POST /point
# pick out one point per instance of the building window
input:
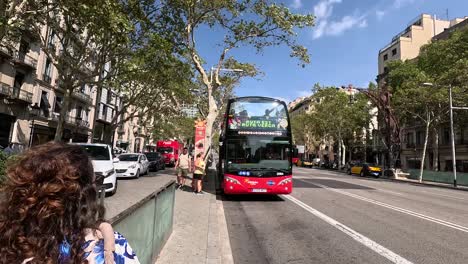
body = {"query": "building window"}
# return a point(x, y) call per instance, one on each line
point(47, 71)
point(104, 111)
point(410, 140)
point(394, 51)
point(420, 137)
point(23, 49)
point(385, 57)
point(83, 89)
point(79, 113)
point(58, 103)
point(446, 136)
point(51, 40)
point(44, 104)
point(109, 97)
point(19, 80)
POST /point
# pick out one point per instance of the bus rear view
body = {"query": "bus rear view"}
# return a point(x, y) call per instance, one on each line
point(255, 152)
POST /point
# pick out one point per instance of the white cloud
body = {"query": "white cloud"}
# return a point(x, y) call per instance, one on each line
point(324, 10)
point(379, 14)
point(401, 3)
point(296, 4)
point(347, 22)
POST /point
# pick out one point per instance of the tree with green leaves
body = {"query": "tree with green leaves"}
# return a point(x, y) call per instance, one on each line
point(16, 16)
point(340, 117)
point(80, 39)
point(443, 63)
point(249, 23)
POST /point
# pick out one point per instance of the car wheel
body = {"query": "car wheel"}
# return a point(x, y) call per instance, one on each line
point(164, 166)
point(137, 175)
point(362, 174)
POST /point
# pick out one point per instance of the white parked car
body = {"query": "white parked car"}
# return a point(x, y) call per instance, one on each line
point(131, 165)
point(101, 157)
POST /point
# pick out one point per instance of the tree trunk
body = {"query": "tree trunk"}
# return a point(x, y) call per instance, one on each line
point(210, 120)
point(97, 107)
point(343, 159)
point(339, 151)
point(350, 157)
point(426, 139)
point(436, 149)
point(63, 115)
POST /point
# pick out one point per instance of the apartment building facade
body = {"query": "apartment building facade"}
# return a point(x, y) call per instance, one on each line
point(406, 46)
point(31, 99)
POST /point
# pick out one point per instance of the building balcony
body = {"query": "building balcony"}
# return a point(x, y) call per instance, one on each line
point(104, 118)
point(83, 97)
point(5, 90)
point(21, 95)
point(24, 60)
point(15, 94)
point(77, 122)
point(4, 52)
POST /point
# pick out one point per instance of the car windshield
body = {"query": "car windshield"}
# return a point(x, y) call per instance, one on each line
point(152, 155)
point(258, 153)
point(165, 150)
point(97, 152)
point(128, 157)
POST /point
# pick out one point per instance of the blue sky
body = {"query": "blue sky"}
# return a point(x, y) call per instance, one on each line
point(344, 44)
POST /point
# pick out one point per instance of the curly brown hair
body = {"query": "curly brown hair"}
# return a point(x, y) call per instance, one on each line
point(50, 197)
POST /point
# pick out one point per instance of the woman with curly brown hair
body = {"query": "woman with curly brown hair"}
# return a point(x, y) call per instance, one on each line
point(50, 212)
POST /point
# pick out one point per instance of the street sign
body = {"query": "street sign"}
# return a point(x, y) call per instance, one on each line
point(300, 149)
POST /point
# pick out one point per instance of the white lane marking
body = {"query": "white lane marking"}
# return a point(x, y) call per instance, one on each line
point(363, 179)
point(379, 249)
point(398, 209)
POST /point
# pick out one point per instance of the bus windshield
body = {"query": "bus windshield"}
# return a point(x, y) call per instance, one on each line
point(258, 153)
point(255, 114)
point(165, 150)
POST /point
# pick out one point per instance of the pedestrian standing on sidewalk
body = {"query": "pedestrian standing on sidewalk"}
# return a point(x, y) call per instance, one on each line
point(50, 212)
point(183, 164)
point(198, 173)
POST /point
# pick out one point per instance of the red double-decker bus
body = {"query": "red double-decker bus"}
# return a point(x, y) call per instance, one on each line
point(256, 147)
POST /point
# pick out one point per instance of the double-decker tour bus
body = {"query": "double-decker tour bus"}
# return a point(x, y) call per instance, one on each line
point(255, 147)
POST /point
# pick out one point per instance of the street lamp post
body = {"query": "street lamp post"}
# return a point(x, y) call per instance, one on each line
point(452, 134)
point(33, 112)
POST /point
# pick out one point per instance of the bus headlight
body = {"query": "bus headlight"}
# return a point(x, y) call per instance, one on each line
point(232, 180)
point(285, 181)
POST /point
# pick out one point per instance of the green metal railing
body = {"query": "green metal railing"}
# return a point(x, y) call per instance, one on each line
point(439, 176)
point(148, 224)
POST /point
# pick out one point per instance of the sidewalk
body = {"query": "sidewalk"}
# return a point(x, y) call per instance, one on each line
point(200, 232)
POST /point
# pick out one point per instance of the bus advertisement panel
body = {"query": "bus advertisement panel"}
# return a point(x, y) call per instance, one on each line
point(256, 147)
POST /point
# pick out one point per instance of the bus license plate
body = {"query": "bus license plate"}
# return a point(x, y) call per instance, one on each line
point(259, 190)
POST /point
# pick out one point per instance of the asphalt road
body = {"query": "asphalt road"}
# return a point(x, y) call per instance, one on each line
point(335, 218)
